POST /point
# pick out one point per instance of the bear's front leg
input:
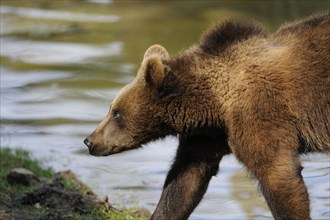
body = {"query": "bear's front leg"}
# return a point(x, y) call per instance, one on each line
point(197, 160)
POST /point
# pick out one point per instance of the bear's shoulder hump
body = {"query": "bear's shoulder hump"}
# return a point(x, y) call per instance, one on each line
point(224, 34)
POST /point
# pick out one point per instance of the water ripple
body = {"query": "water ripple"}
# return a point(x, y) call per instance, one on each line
point(44, 52)
point(57, 15)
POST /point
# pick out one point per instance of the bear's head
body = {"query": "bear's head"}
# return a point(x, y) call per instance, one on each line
point(136, 115)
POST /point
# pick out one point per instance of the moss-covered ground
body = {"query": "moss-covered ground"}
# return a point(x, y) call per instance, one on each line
point(10, 194)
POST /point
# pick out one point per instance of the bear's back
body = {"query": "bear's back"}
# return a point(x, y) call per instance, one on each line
point(307, 25)
point(289, 69)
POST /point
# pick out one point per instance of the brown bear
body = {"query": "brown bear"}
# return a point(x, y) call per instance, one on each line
point(264, 98)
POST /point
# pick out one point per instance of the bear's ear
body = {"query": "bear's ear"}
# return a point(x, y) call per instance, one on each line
point(156, 51)
point(155, 69)
point(154, 72)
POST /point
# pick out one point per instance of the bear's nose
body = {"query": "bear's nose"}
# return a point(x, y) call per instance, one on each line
point(88, 143)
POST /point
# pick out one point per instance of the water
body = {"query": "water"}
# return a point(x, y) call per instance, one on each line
point(62, 62)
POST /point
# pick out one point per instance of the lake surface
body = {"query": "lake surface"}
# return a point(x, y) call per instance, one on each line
point(63, 62)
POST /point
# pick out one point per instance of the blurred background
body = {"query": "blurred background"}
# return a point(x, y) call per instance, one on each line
point(62, 63)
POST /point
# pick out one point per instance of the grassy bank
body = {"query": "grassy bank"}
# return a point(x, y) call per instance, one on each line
point(18, 201)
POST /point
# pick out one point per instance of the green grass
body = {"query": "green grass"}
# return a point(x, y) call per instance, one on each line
point(19, 158)
point(10, 210)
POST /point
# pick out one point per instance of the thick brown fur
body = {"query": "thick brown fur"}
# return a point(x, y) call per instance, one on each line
point(264, 98)
point(228, 33)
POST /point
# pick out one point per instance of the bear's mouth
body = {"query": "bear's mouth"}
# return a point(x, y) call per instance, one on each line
point(106, 151)
point(95, 151)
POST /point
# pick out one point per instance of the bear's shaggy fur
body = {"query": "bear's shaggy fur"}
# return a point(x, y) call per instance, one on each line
point(264, 98)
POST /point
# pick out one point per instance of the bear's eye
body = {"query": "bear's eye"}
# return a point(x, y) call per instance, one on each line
point(116, 114)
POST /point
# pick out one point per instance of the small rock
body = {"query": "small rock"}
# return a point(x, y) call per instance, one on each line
point(22, 176)
point(37, 205)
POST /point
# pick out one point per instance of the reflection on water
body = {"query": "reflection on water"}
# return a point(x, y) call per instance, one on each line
point(57, 15)
point(62, 62)
point(54, 52)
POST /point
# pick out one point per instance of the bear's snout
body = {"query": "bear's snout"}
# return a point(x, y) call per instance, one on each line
point(92, 149)
point(95, 149)
point(88, 143)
